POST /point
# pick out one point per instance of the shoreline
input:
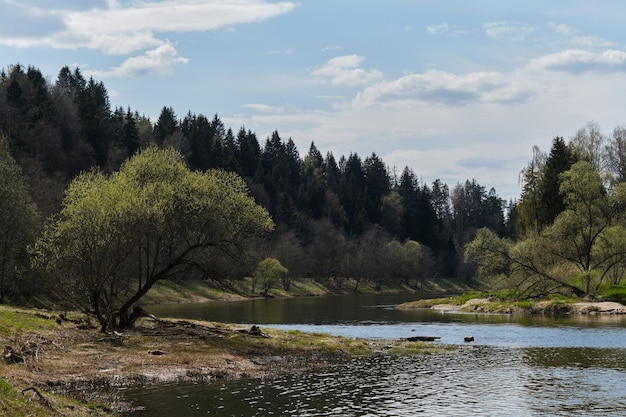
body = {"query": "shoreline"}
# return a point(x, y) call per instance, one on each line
point(79, 371)
point(496, 306)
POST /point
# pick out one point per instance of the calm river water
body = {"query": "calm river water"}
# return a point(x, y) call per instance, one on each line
point(531, 366)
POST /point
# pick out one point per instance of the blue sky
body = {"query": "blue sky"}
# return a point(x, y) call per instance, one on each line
point(453, 89)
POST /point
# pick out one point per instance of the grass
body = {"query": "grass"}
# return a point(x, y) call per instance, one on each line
point(615, 293)
point(14, 321)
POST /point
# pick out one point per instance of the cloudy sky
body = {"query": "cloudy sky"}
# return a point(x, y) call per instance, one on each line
point(453, 89)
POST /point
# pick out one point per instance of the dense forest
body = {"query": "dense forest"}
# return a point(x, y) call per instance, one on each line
point(335, 216)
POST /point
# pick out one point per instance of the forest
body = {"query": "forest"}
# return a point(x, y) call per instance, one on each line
point(334, 217)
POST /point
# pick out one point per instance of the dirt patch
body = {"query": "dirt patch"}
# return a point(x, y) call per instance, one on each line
point(472, 304)
point(603, 307)
point(542, 307)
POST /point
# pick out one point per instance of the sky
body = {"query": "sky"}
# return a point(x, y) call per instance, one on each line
point(454, 90)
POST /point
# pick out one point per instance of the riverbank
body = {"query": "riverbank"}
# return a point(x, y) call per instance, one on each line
point(60, 365)
point(503, 306)
point(207, 290)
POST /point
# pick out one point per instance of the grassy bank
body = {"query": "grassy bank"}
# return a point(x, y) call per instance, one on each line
point(69, 368)
point(202, 291)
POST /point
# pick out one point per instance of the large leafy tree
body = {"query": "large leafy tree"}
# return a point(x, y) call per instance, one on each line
point(118, 234)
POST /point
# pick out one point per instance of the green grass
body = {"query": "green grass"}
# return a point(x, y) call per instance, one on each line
point(13, 321)
point(615, 293)
point(468, 295)
point(14, 403)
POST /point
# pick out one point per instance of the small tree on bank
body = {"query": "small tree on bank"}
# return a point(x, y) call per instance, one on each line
point(154, 219)
point(268, 272)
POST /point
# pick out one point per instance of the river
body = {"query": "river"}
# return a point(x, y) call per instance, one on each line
point(517, 366)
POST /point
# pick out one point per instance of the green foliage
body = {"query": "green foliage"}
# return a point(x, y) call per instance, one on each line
point(267, 272)
point(489, 253)
point(118, 234)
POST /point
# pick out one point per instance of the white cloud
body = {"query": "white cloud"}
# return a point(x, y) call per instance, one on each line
point(437, 29)
point(443, 88)
point(517, 32)
point(561, 29)
point(443, 28)
point(578, 40)
point(343, 70)
point(591, 41)
point(113, 28)
point(577, 61)
point(156, 61)
point(263, 108)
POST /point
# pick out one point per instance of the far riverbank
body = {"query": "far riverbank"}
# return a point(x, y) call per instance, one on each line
point(500, 306)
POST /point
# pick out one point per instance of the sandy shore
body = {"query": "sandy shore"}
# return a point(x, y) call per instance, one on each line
point(489, 305)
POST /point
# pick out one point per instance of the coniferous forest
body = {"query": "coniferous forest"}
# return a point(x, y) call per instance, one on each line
point(335, 216)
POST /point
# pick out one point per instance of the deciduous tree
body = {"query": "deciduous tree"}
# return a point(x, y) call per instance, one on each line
point(118, 234)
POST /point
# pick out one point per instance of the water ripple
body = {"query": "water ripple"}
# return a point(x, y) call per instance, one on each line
point(477, 381)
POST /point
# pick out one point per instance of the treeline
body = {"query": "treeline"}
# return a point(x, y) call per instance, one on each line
point(335, 217)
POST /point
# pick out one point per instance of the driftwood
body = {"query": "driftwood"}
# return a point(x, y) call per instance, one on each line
point(42, 399)
point(11, 356)
point(255, 331)
point(24, 351)
point(421, 338)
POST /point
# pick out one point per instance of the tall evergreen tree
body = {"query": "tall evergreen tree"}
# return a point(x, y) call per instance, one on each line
point(353, 193)
point(559, 160)
point(377, 185)
point(166, 125)
point(312, 189)
point(249, 152)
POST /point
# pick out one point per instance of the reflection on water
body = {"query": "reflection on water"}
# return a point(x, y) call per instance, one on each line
point(474, 381)
point(528, 366)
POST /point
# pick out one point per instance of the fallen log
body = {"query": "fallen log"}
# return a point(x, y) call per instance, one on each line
point(421, 338)
point(42, 399)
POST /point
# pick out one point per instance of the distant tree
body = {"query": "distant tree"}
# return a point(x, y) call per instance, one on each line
point(312, 189)
point(166, 125)
point(529, 206)
point(94, 111)
point(249, 152)
point(377, 185)
point(352, 188)
point(392, 214)
point(268, 272)
point(589, 144)
point(558, 161)
point(616, 154)
point(229, 159)
point(332, 174)
point(117, 235)
point(326, 250)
